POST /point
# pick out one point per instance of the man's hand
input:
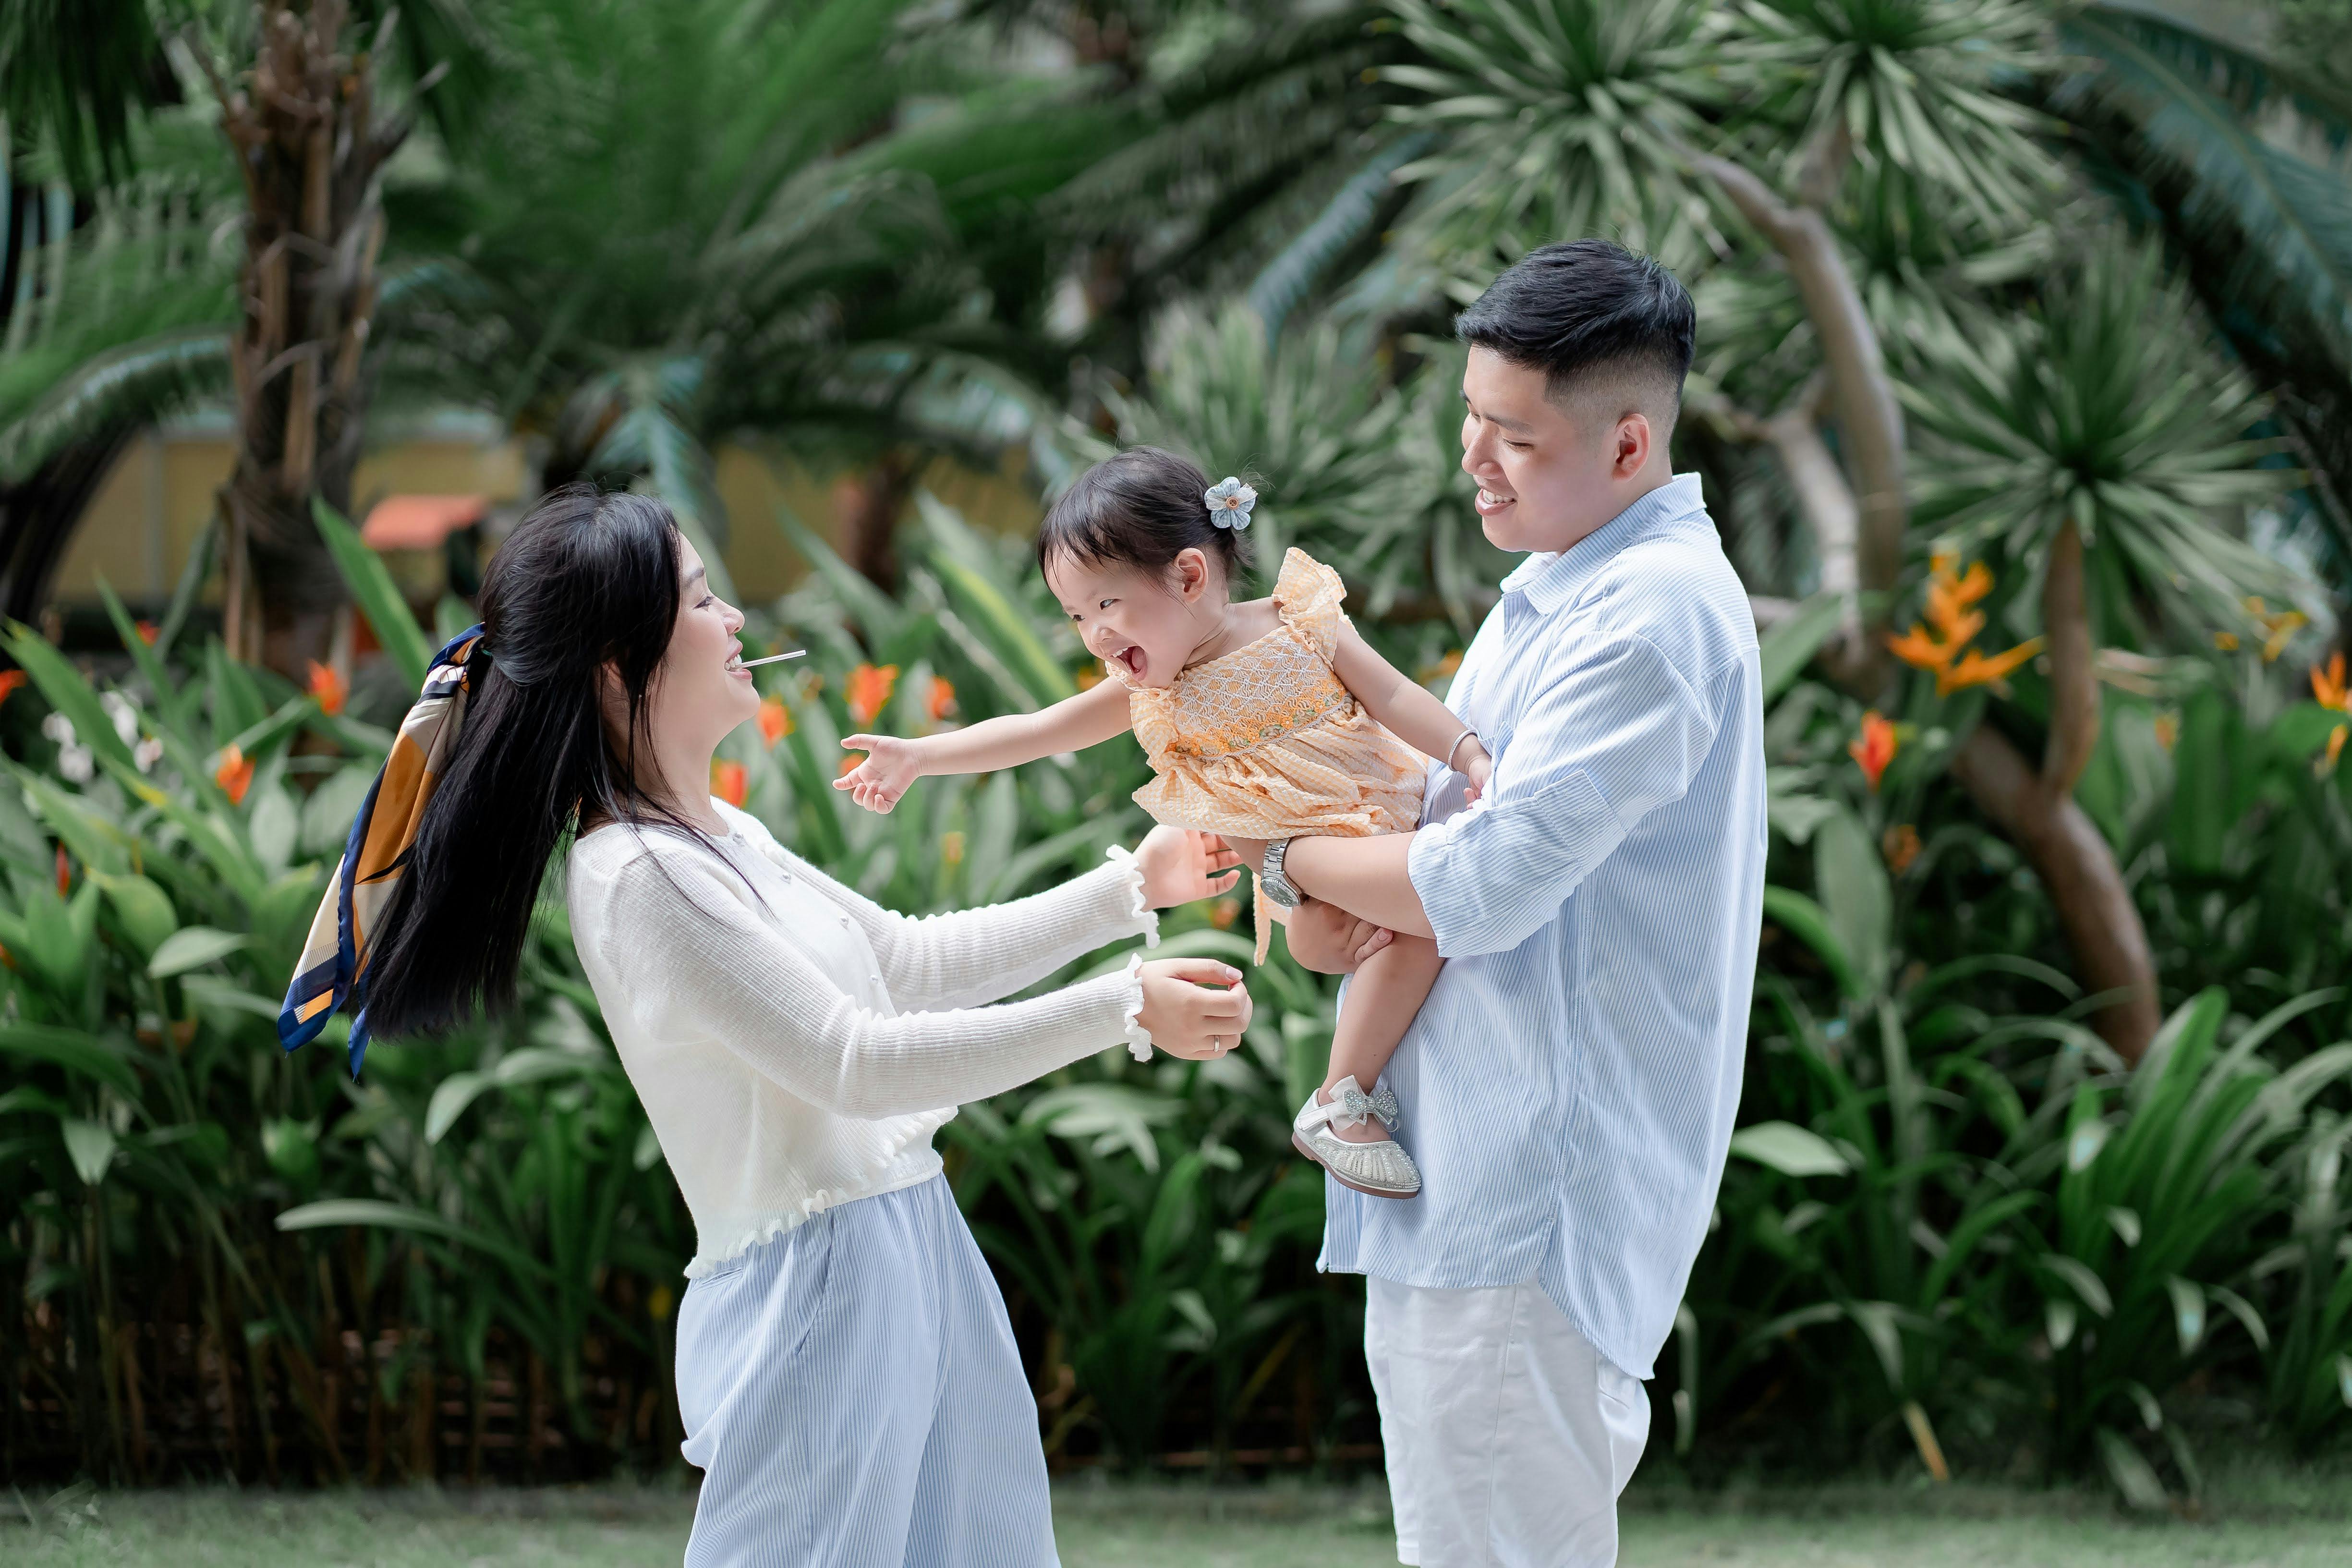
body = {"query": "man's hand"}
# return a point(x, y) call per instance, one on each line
point(1329, 941)
point(890, 765)
point(1180, 866)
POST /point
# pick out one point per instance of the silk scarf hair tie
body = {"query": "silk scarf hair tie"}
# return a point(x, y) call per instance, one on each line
point(334, 956)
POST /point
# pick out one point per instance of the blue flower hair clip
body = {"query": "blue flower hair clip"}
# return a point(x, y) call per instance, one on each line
point(1229, 502)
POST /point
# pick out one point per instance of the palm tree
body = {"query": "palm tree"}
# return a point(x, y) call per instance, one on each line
point(2224, 151)
point(680, 223)
point(308, 139)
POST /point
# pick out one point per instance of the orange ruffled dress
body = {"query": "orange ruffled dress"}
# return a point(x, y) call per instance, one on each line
point(1265, 741)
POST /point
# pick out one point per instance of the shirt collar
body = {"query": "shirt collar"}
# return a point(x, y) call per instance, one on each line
point(1550, 578)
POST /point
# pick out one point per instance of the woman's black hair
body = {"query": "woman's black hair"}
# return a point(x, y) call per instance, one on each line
point(588, 579)
point(1140, 509)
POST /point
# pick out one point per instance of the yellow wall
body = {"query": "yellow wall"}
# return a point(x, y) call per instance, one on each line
point(147, 514)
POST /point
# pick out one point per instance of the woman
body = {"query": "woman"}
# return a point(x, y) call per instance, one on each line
point(846, 1370)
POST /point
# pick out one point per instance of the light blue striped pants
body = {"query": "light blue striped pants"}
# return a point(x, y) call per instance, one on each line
point(853, 1396)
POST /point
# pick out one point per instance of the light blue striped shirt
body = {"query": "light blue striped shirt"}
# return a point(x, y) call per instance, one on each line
point(1569, 1086)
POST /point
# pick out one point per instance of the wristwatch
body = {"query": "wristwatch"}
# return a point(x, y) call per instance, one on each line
point(1276, 887)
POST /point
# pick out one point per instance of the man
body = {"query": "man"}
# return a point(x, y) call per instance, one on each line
point(1569, 1086)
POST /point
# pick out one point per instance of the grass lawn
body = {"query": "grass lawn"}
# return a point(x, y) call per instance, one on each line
point(2266, 1518)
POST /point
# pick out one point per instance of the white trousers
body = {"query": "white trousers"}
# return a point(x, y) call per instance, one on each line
point(1507, 1437)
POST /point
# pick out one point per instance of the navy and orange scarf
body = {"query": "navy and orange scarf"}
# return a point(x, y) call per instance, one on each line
point(333, 965)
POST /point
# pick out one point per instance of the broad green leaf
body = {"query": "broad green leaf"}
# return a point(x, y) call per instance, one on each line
point(2133, 1476)
point(1853, 883)
point(90, 1147)
point(73, 1051)
point(192, 947)
point(399, 1217)
point(1787, 648)
point(65, 690)
point(1791, 1150)
point(378, 596)
point(449, 1101)
point(328, 814)
point(1806, 922)
point(144, 908)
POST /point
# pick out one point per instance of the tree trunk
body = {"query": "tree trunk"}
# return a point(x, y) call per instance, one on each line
point(302, 123)
point(2074, 862)
point(2072, 857)
point(867, 506)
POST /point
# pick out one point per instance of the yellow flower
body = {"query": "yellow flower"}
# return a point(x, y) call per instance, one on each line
point(2226, 641)
point(2278, 627)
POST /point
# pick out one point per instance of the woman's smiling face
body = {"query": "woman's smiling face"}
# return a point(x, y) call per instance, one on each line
point(1146, 623)
point(702, 686)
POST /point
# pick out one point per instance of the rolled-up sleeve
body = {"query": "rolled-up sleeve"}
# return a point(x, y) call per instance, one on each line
point(1613, 737)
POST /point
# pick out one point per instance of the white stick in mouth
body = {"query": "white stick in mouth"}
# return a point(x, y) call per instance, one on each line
point(754, 663)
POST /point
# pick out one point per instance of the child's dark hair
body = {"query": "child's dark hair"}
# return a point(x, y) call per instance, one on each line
point(1140, 509)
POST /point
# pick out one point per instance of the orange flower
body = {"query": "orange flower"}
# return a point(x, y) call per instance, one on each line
point(730, 782)
point(233, 771)
point(942, 701)
point(775, 720)
point(1443, 668)
point(2328, 686)
point(1901, 846)
point(869, 689)
point(1942, 643)
point(9, 680)
point(849, 764)
point(1874, 747)
point(2226, 641)
point(2167, 729)
point(2335, 749)
point(1089, 677)
point(1975, 670)
point(148, 632)
point(64, 872)
point(952, 848)
point(1223, 912)
point(328, 688)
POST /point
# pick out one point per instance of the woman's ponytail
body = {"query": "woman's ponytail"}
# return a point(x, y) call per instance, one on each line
point(586, 583)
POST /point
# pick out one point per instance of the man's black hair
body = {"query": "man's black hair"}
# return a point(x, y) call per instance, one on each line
point(1570, 309)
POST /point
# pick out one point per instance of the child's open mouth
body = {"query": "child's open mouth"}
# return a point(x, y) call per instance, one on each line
point(1132, 657)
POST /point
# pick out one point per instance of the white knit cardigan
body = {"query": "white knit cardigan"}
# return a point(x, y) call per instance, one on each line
point(795, 1044)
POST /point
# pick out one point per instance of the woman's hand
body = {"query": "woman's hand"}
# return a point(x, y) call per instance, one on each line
point(1185, 1015)
point(1180, 866)
point(892, 763)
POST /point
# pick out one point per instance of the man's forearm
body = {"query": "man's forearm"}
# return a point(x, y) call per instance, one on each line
point(1366, 876)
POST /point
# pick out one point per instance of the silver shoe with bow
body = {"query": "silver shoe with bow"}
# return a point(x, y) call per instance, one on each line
point(1381, 1170)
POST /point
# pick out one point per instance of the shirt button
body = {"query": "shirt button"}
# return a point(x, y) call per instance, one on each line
point(845, 922)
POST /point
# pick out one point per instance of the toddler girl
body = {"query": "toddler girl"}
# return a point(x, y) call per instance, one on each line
point(1267, 718)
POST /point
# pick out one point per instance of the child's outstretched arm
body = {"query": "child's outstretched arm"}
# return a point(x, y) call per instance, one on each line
point(1406, 709)
point(893, 763)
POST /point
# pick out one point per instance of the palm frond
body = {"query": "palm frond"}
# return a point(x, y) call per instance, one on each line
point(138, 383)
point(2149, 98)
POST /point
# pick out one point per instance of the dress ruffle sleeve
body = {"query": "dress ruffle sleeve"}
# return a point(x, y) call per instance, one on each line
point(1307, 596)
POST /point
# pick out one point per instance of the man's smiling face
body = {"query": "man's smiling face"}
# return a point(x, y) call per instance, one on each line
point(1546, 478)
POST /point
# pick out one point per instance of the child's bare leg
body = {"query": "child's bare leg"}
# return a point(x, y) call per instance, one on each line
point(1387, 992)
